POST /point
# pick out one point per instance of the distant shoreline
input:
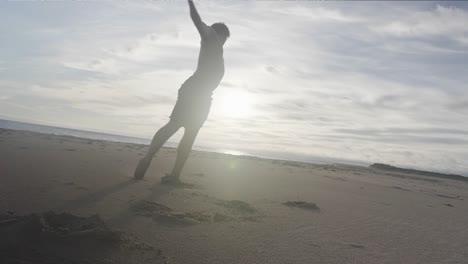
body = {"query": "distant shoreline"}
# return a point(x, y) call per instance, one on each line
point(381, 166)
point(86, 134)
point(55, 130)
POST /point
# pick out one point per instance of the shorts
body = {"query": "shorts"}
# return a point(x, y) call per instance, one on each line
point(191, 111)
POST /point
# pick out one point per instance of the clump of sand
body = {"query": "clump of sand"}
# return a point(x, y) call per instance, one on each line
point(237, 205)
point(65, 238)
point(303, 205)
point(165, 215)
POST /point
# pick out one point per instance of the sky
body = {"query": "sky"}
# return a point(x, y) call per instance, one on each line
point(358, 82)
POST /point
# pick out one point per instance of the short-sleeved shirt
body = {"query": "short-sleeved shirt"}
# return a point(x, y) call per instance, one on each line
point(210, 68)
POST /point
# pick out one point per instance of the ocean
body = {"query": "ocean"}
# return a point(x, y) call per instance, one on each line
point(70, 132)
point(15, 125)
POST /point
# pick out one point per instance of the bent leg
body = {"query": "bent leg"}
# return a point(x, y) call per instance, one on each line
point(159, 139)
point(183, 151)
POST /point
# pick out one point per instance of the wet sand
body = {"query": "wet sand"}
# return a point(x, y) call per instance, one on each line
point(234, 209)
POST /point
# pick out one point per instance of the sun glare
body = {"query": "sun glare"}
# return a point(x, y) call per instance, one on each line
point(233, 152)
point(236, 104)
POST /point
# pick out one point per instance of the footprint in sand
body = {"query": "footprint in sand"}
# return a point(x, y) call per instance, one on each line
point(401, 188)
point(303, 205)
point(356, 246)
point(165, 215)
point(237, 205)
point(81, 188)
point(240, 211)
point(450, 197)
point(335, 178)
point(69, 149)
point(148, 208)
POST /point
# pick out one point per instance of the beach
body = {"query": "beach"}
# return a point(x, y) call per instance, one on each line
point(233, 209)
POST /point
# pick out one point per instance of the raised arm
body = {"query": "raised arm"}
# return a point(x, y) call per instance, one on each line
point(202, 28)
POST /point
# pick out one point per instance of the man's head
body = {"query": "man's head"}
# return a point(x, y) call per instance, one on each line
point(222, 31)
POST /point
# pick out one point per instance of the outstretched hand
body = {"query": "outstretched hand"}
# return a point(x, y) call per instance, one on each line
point(199, 24)
point(194, 13)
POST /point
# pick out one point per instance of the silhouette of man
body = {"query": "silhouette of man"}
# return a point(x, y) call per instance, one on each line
point(194, 98)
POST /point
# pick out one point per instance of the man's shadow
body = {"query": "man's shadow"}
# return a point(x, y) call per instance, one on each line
point(93, 198)
point(157, 190)
point(123, 216)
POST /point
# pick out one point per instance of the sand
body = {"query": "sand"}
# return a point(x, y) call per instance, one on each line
point(234, 209)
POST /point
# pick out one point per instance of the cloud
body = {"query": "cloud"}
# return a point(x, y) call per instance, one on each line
point(459, 104)
point(444, 21)
point(156, 50)
point(319, 14)
point(399, 135)
point(437, 30)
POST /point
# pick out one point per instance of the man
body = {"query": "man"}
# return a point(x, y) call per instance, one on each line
point(194, 100)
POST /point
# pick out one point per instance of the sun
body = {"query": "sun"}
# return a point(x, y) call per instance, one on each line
point(236, 104)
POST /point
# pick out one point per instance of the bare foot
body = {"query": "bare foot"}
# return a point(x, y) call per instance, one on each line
point(171, 180)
